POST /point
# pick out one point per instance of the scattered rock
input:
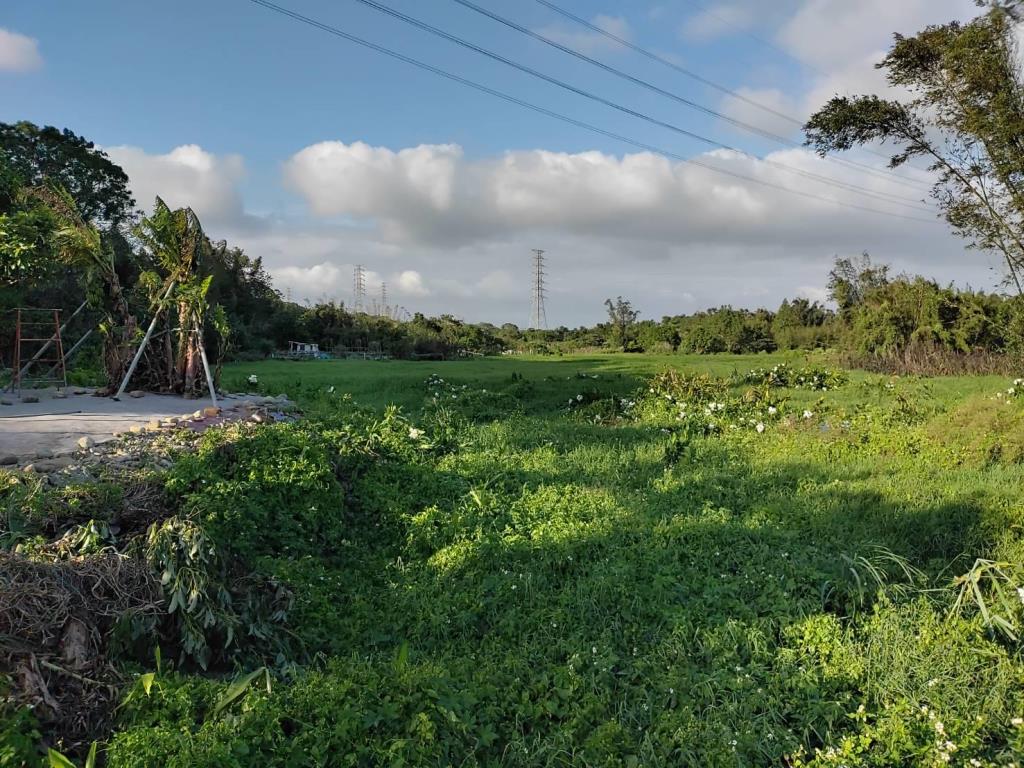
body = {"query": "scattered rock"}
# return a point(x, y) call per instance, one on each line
point(30, 399)
point(153, 426)
point(29, 468)
point(71, 477)
point(136, 393)
point(80, 392)
point(85, 442)
point(51, 465)
point(6, 461)
point(211, 411)
point(60, 396)
point(6, 402)
point(198, 416)
point(135, 429)
point(43, 454)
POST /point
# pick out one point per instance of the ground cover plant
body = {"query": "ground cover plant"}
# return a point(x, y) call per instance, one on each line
point(614, 560)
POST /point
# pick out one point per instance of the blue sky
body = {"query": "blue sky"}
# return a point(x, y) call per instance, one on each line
point(249, 91)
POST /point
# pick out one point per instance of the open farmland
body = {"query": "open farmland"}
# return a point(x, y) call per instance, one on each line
point(540, 562)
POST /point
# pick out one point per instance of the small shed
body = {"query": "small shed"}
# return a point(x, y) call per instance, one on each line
point(303, 349)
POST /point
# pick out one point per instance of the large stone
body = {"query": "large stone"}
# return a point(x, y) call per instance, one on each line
point(6, 461)
point(51, 465)
point(60, 396)
point(135, 429)
point(6, 402)
point(211, 411)
point(85, 442)
point(136, 393)
point(30, 399)
point(153, 426)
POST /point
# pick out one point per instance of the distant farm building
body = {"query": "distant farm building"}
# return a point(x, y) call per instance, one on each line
point(304, 349)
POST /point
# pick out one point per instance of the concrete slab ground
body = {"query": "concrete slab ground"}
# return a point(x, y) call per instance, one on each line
point(54, 425)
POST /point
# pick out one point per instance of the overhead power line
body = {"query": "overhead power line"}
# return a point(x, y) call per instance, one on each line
point(741, 124)
point(887, 197)
point(571, 120)
point(700, 5)
point(669, 63)
point(905, 180)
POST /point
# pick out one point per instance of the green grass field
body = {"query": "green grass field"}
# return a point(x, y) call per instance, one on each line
point(546, 562)
point(380, 383)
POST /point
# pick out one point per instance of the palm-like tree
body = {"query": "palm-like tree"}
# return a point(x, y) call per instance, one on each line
point(77, 244)
point(176, 242)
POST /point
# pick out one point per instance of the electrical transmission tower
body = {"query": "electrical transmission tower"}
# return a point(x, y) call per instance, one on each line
point(384, 299)
point(538, 315)
point(358, 288)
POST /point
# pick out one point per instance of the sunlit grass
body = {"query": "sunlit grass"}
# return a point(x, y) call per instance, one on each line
point(560, 588)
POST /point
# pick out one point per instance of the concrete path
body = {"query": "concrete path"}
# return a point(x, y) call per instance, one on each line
point(54, 425)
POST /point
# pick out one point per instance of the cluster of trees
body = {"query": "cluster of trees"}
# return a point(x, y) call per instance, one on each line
point(70, 233)
point(69, 228)
point(876, 314)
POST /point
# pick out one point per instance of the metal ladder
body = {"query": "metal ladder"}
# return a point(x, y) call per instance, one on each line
point(30, 333)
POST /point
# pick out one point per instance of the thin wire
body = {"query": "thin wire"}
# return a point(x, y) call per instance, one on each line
point(915, 205)
point(570, 120)
point(768, 43)
point(907, 181)
point(750, 128)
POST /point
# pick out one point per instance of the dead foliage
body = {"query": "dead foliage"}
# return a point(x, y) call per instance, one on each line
point(929, 361)
point(56, 617)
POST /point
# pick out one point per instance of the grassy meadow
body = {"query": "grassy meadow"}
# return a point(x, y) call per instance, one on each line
point(586, 561)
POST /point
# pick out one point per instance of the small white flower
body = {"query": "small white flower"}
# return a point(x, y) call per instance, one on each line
point(579, 398)
point(1017, 721)
point(253, 379)
point(759, 427)
point(772, 410)
point(808, 415)
point(415, 434)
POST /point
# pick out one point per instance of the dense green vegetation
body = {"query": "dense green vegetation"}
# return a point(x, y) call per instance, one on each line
point(588, 562)
point(737, 548)
point(68, 232)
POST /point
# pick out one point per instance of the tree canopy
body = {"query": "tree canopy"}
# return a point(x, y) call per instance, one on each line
point(52, 156)
point(964, 116)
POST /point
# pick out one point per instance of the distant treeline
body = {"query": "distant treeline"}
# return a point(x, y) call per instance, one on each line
point(69, 230)
point(879, 321)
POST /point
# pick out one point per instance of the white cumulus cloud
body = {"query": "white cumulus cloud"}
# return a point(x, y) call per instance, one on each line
point(18, 53)
point(410, 283)
point(186, 176)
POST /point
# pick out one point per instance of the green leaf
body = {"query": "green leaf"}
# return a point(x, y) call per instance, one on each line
point(237, 689)
point(402, 658)
point(57, 760)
